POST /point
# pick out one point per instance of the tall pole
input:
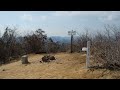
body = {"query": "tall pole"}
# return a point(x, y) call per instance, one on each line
point(71, 33)
point(88, 55)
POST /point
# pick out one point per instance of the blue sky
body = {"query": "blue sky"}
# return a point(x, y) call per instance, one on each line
point(58, 23)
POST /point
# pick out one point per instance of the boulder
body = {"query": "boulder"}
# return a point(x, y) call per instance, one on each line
point(52, 58)
point(45, 59)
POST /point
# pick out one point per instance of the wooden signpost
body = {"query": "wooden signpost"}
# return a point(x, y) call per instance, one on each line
point(71, 33)
point(88, 55)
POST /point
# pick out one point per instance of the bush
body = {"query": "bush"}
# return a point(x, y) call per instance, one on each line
point(106, 48)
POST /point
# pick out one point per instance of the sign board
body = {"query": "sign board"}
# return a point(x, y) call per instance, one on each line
point(74, 33)
point(84, 49)
point(69, 32)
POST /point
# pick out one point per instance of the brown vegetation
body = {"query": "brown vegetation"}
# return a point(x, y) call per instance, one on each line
point(66, 66)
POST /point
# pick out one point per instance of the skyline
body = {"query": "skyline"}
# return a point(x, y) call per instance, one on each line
point(58, 23)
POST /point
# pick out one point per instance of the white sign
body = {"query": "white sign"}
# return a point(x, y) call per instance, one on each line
point(72, 32)
point(84, 49)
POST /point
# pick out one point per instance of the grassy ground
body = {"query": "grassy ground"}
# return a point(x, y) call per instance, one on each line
point(66, 66)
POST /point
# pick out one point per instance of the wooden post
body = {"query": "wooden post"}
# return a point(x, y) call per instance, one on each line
point(71, 43)
point(88, 55)
point(24, 59)
point(71, 33)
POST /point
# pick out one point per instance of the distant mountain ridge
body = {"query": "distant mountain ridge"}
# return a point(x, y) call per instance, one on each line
point(62, 39)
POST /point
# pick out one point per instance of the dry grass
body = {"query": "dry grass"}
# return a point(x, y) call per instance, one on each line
point(66, 66)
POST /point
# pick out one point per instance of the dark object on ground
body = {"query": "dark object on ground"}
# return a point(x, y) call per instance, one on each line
point(40, 61)
point(3, 70)
point(52, 58)
point(47, 58)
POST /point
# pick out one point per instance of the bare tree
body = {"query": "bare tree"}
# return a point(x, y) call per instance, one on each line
point(8, 40)
point(106, 48)
point(35, 43)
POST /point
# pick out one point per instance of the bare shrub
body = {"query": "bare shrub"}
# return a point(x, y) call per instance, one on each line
point(9, 47)
point(106, 48)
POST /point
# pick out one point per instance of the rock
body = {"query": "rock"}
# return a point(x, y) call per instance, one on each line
point(52, 58)
point(45, 59)
point(24, 59)
point(40, 61)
